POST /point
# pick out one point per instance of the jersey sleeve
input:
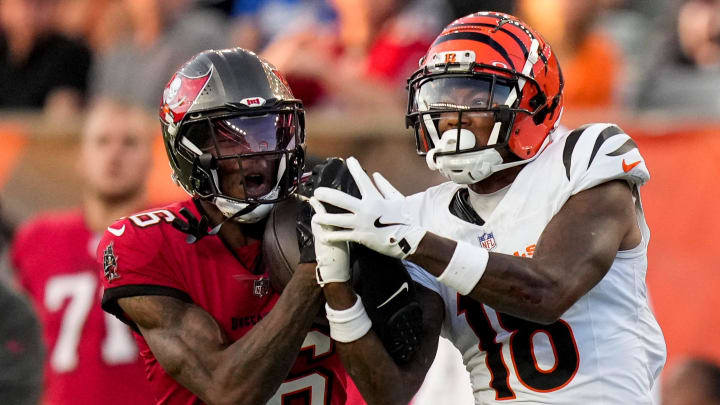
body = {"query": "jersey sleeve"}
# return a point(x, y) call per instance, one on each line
point(136, 261)
point(422, 277)
point(598, 153)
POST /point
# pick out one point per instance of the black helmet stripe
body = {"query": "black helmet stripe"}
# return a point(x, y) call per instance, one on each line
point(474, 36)
point(506, 31)
point(511, 34)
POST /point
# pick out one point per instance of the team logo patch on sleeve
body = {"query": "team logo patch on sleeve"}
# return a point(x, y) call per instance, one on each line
point(487, 241)
point(110, 263)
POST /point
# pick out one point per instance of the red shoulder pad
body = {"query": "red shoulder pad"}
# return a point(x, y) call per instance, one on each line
point(140, 249)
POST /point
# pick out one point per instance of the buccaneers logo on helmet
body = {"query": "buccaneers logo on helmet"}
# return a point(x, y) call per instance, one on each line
point(179, 94)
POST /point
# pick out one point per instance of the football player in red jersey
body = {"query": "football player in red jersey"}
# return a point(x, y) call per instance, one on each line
point(91, 356)
point(189, 277)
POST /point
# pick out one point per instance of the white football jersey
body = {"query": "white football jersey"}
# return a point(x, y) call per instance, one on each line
point(607, 348)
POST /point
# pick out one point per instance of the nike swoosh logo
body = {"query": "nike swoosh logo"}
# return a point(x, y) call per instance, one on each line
point(117, 232)
point(379, 224)
point(404, 287)
point(628, 167)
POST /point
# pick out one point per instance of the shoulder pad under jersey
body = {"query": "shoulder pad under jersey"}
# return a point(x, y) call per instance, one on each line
point(598, 153)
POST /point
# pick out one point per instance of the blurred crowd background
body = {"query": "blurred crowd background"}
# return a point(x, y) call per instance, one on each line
point(652, 66)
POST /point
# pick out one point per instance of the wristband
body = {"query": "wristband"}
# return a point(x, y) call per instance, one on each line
point(350, 324)
point(466, 267)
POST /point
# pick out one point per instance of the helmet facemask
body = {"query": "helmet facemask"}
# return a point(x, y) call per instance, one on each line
point(463, 121)
point(245, 163)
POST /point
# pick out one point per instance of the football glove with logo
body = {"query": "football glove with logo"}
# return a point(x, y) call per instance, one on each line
point(383, 283)
point(378, 220)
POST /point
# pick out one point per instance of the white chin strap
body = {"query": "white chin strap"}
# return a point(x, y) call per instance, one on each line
point(229, 208)
point(470, 167)
point(463, 168)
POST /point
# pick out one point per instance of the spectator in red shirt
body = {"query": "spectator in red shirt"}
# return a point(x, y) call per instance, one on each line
point(91, 356)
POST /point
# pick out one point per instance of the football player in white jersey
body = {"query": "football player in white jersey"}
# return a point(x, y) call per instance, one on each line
point(537, 245)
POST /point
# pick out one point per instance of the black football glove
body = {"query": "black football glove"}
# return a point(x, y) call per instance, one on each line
point(306, 243)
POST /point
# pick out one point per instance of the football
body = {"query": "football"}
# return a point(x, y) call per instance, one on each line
point(280, 247)
point(374, 276)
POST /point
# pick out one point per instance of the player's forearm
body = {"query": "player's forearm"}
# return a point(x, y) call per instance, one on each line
point(377, 376)
point(518, 286)
point(260, 360)
point(513, 285)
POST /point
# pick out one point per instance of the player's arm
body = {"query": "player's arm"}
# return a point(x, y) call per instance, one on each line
point(573, 254)
point(378, 377)
point(193, 349)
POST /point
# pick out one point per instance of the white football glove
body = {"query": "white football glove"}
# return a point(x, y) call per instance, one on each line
point(333, 262)
point(379, 220)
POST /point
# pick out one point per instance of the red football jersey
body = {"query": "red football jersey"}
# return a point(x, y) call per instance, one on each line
point(91, 356)
point(144, 255)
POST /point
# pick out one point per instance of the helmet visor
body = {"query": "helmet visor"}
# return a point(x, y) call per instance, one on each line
point(240, 135)
point(460, 102)
point(461, 93)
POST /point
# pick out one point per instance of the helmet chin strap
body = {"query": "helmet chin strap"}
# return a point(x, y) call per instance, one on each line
point(248, 209)
point(469, 167)
point(242, 212)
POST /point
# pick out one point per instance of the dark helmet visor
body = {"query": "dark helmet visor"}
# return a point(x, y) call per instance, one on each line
point(242, 135)
point(248, 134)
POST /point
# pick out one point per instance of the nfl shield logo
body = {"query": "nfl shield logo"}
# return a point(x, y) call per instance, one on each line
point(261, 287)
point(487, 241)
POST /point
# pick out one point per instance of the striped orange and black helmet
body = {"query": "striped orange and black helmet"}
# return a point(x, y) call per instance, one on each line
point(508, 62)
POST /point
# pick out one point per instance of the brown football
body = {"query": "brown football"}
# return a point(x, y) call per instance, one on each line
point(280, 247)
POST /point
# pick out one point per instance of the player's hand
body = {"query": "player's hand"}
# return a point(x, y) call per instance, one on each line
point(379, 220)
point(333, 259)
